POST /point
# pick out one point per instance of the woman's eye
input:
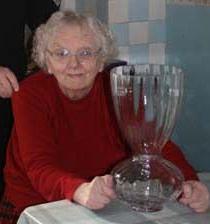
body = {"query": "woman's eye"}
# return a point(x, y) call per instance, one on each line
point(62, 53)
point(85, 53)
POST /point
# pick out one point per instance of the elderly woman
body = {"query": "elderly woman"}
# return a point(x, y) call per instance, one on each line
point(65, 138)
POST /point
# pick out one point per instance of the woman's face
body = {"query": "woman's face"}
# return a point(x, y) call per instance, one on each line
point(74, 59)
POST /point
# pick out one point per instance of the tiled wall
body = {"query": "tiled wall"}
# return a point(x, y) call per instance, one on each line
point(175, 31)
point(92, 7)
point(68, 4)
point(140, 29)
point(139, 25)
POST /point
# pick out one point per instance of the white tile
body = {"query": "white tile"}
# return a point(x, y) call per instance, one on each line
point(138, 33)
point(68, 4)
point(157, 53)
point(124, 53)
point(157, 9)
point(118, 11)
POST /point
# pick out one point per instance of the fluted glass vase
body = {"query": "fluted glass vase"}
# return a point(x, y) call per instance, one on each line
point(147, 100)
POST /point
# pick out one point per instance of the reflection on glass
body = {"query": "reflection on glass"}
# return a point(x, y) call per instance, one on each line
point(147, 99)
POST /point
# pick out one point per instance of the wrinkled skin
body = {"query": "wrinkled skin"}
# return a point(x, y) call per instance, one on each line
point(195, 195)
point(96, 194)
point(99, 192)
point(75, 78)
point(8, 83)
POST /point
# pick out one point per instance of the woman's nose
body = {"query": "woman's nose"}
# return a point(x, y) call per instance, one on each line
point(73, 61)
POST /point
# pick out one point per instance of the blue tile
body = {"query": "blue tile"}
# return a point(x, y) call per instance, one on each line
point(139, 53)
point(121, 33)
point(80, 6)
point(84, 6)
point(138, 10)
point(157, 31)
point(102, 10)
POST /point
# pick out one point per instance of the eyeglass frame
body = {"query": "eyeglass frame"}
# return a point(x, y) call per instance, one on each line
point(82, 58)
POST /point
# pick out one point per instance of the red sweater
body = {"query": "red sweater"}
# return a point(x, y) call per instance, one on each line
point(57, 144)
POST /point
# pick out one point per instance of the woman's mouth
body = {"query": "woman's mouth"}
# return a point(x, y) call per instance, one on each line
point(78, 75)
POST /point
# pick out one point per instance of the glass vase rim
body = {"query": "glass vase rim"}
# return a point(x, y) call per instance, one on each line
point(173, 70)
point(154, 64)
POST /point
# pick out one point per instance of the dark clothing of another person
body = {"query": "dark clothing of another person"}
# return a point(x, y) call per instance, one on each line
point(13, 17)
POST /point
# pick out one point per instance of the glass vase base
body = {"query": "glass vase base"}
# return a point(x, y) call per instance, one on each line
point(145, 204)
point(146, 182)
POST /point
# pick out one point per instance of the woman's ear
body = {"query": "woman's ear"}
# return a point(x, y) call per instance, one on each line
point(101, 65)
point(49, 70)
point(101, 68)
point(48, 65)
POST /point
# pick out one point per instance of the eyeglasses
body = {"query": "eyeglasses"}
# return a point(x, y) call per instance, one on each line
point(84, 55)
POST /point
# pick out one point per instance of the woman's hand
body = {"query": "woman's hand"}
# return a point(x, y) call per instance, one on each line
point(96, 194)
point(8, 82)
point(195, 195)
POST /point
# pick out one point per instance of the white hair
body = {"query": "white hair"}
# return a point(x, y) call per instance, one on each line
point(45, 33)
